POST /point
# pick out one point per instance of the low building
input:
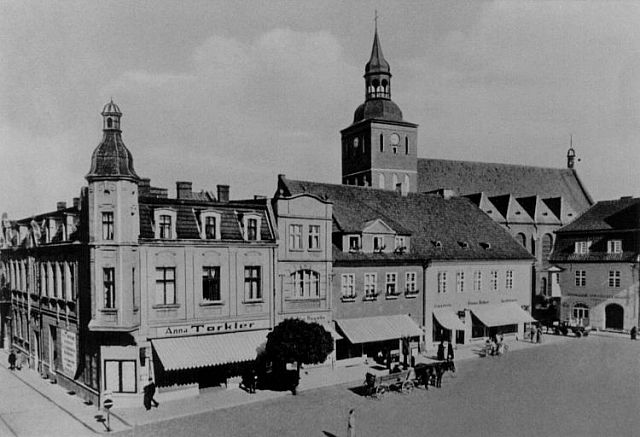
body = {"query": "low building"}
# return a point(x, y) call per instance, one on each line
point(596, 266)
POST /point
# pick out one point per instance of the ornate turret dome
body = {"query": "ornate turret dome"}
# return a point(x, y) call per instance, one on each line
point(111, 159)
point(380, 109)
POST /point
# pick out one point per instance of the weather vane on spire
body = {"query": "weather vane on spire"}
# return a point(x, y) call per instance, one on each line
point(375, 19)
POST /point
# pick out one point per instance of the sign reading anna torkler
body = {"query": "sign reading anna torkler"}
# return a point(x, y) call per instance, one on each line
point(69, 352)
point(213, 328)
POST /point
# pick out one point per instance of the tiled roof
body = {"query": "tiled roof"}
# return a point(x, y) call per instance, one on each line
point(112, 158)
point(468, 177)
point(607, 215)
point(429, 218)
point(188, 210)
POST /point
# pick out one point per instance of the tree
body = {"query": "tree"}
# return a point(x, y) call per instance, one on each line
point(294, 340)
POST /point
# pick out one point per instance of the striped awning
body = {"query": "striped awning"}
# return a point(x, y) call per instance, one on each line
point(380, 328)
point(209, 350)
point(502, 314)
point(448, 319)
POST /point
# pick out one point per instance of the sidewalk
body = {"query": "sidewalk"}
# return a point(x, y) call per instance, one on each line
point(61, 413)
point(59, 404)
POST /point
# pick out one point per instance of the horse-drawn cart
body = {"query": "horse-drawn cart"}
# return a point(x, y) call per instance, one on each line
point(377, 385)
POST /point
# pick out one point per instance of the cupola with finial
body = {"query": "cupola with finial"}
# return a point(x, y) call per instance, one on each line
point(111, 159)
point(377, 74)
point(571, 154)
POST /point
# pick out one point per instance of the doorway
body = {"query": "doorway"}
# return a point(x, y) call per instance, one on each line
point(614, 317)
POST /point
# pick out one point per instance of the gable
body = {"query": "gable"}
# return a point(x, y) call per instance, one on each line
point(377, 226)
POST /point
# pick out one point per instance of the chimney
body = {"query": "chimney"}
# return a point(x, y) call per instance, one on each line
point(76, 202)
point(183, 190)
point(223, 193)
point(61, 205)
point(144, 185)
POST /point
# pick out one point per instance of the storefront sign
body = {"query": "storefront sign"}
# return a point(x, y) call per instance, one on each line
point(508, 300)
point(319, 318)
point(69, 352)
point(479, 302)
point(597, 296)
point(212, 328)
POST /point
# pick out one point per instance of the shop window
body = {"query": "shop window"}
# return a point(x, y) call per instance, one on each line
point(120, 376)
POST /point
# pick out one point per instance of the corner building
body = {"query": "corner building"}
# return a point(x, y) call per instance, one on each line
point(142, 285)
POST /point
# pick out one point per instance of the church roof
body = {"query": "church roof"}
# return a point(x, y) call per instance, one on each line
point(378, 109)
point(469, 177)
point(377, 63)
point(463, 230)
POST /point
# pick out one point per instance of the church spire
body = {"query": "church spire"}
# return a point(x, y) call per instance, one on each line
point(377, 74)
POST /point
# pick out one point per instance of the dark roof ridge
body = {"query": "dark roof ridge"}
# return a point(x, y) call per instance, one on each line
point(496, 163)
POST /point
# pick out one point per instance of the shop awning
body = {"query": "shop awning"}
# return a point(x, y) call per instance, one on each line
point(333, 332)
point(209, 350)
point(380, 328)
point(448, 319)
point(502, 314)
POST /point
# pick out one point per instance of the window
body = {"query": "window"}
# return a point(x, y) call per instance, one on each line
point(391, 279)
point(582, 247)
point(614, 246)
point(614, 278)
point(108, 275)
point(120, 376)
point(252, 284)
point(378, 243)
point(165, 286)
point(306, 283)
point(211, 284)
point(210, 227)
point(295, 237)
point(442, 282)
point(522, 239)
point(348, 286)
point(354, 243)
point(406, 145)
point(509, 280)
point(477, 281)
point(401, 242)
point(251, 225)
point(164, 225)
point(460, 282)
point(494, 280)
point(107, 225)
point(54, 279)
point(547, 246)
point(581, 313)
point(410, 282)
point(381, 143)
point(314, 237)
point(581, 278)
point(370, 285)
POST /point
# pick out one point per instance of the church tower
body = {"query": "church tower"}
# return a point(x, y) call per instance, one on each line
point(379, 149)
point(114, 229)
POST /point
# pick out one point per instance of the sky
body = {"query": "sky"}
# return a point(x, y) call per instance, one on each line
point(228, 92)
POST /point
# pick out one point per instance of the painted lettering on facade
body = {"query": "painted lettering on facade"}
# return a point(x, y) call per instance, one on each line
point(69, 352)
point(212, 328)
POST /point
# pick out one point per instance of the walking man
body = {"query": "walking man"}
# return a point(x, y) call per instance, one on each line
point(12, 360)
point(450, 352)
point(634, 333)
point(149, 393)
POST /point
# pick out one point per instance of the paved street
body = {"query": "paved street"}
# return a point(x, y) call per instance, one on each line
point(582, 387)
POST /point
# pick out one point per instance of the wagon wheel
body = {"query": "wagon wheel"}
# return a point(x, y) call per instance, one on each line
point(380, 391)
point(407, 386)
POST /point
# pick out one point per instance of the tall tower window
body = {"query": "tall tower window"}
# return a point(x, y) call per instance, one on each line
point(108, 275)
point(109, 123)
point(406, 145)
point(381, 143)
point(107, 225)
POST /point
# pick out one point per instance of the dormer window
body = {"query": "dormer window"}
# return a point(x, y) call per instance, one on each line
point(614, 246)
point(438, 244)
point(165, 221)
point(378, 243)
point(485, 246)
point(354, 243)
point(251, 227)
point(582, 247)
point(210, 226)
point(463, 244)
point(401, 242)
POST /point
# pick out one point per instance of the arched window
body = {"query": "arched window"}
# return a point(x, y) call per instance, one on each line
point(381, 181)
point(109, 123)
point(522, 239)
point(547, 246)
point(306, 284)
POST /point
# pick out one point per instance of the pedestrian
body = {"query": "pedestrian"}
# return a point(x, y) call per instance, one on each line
point(532, 334)
point(440, 354)
point(634, 333)
point(450, 352)
point(19, 360)
point(539, 335)
point(149, 393)
point(12, 360)
point(351, 423)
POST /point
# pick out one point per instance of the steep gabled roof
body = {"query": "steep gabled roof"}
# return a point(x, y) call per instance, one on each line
point(454, 222)
point(607, 215)
point(467, 177)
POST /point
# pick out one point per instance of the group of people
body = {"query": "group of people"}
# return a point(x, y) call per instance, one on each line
point(441, 351)
point(16, 360)
point(535, 334)
point(495, 345)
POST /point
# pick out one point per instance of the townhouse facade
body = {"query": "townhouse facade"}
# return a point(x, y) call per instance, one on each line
point(596, 264)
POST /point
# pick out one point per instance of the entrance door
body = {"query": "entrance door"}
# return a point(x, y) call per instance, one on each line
point(53, 348)
point(614, 316)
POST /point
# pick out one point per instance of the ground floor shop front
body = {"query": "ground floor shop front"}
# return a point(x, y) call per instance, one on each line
point(613, 313)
